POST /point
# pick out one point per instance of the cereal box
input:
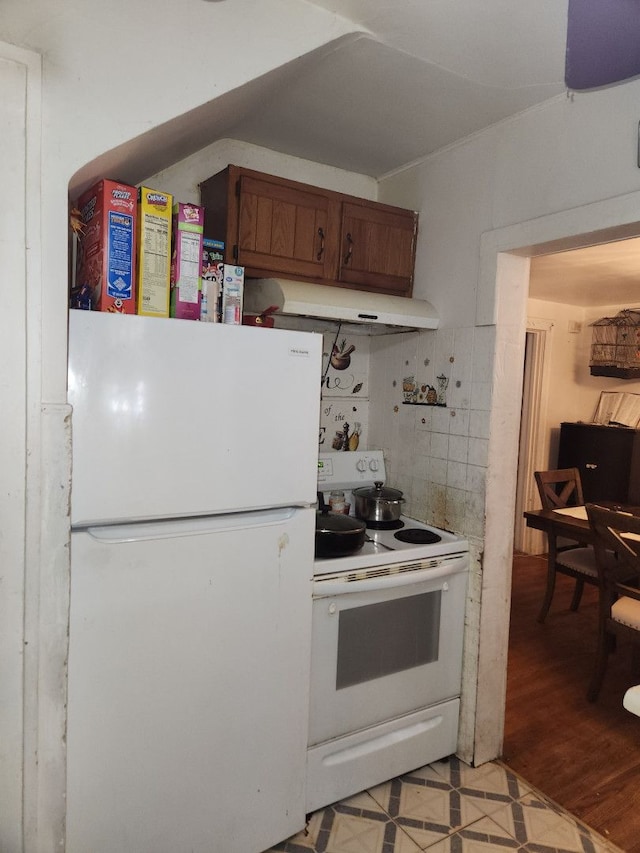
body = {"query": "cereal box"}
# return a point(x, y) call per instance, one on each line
point(212, 266)
point(105, 260)
point(232, 294)
point(154, 252)
point(186, 261)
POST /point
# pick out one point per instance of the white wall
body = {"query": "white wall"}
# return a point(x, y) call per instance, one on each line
point(183, 177)
point(572, 392)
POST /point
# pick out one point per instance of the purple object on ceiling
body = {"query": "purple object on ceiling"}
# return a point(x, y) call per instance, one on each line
point(603, 42)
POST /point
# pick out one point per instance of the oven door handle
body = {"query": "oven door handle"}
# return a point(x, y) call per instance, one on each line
point(355, 581)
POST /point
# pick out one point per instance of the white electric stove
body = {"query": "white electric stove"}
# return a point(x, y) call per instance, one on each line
point(386, 650)
point(405, 540)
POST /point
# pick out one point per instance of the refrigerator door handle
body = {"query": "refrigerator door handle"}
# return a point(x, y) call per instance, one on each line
point(194, 526)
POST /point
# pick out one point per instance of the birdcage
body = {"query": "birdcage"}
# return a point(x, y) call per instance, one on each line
point(615, 345)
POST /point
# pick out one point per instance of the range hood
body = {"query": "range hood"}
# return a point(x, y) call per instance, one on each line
point(376, 313)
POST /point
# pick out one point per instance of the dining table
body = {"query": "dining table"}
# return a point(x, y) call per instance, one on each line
point(571, 522)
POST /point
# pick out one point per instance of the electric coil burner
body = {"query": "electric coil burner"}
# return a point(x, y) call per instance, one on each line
point(418, 536)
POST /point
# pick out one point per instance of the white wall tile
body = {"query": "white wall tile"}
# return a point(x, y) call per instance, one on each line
point(476, 479)
point(474, 514)
point(437, 503)
point(424, 418)
point(444, 351)
point(439, 445)
point(423, 443)
point(441, 419)
point(479, 423)
point(457, 475)
point(455, 512)
point(478, 451)
point(438, 471)
point(458, 448)
point(459, 421)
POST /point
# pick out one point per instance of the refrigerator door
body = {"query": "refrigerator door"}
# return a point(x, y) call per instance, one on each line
point(188, 684)
point(173, 418)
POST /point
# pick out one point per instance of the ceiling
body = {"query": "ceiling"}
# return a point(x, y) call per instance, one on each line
point(608, 274)
point(417, 75)
point(414, 76)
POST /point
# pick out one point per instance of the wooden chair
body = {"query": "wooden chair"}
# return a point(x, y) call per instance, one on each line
point(619, 612)
point(559, 489)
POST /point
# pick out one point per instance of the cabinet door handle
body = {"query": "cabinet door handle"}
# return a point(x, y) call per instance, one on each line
point(347, 257)
point(321, 249)
point(591, 465)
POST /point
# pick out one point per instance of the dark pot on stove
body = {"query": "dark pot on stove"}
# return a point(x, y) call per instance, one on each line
point(337, 535)
point(378, 504)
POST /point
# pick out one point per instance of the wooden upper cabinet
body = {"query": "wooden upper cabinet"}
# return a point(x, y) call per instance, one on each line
point(273, 226)
point(378, 246)
point(284, 229)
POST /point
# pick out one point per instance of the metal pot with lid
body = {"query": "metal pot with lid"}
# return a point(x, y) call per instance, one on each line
point(337, 535)
point(379, 503)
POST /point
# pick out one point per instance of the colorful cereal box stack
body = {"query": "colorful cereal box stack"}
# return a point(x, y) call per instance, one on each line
point(105, 264)
point(154, 252)
point(186, 261)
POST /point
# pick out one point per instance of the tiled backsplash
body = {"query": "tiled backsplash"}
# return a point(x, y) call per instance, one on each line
point(344, 408)
point(436, 455)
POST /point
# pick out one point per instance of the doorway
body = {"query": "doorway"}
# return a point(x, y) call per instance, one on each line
point(502, 301)
point(551, 729)
point(533, 451)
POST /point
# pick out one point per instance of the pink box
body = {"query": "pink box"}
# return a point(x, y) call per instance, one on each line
point(186, 261)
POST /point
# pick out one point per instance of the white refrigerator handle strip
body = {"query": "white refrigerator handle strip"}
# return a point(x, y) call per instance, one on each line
point(195, 526)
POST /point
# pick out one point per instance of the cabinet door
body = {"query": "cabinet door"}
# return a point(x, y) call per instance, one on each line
point(283, 228)
point(603, 455)
point(377, 247)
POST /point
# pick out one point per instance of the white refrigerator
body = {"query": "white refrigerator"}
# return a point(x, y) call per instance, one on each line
point(193, 484)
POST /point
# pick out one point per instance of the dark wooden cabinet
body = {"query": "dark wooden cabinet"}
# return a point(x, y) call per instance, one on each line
point(273, 226)
point(607, 457)
point(378, 246)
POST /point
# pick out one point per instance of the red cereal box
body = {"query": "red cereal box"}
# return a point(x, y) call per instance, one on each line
point(105, 266)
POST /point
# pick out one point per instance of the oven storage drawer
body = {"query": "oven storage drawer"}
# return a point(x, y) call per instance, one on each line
point(347, 765)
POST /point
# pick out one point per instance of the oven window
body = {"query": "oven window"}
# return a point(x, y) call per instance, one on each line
point(379, 639)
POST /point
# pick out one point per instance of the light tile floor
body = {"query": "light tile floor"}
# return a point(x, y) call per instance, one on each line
point(447, 807)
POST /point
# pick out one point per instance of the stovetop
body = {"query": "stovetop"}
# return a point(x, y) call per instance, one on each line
point(354, 469)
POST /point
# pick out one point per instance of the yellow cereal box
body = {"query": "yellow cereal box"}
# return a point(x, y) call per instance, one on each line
point(154, 252)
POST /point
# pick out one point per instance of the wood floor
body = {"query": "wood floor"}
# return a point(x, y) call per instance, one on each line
point(584, 756)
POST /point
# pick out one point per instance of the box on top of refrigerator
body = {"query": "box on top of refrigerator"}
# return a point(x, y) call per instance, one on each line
point(232, 294)
point(212, 266)
point(186, 261)
point(154, 252)
point(105, 261)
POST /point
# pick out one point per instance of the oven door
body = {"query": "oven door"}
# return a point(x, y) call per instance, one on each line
point(385, 643)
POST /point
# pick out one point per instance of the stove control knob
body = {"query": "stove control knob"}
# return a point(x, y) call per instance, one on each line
point(332, 608)
point(374, 465)
point(361, 465)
